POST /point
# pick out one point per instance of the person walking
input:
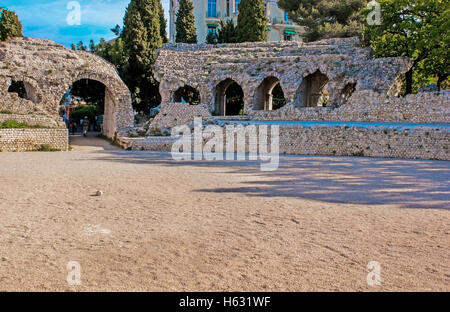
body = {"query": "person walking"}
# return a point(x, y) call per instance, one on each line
point(85, 126)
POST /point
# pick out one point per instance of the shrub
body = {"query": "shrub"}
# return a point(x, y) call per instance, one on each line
point(47, 148)
point(91, 111)
point(14, 124)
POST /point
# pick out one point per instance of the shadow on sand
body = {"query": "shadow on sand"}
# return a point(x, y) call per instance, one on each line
point(351, 180)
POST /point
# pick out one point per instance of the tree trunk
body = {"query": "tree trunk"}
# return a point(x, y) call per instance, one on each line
point(408, 81)
point(441, 79)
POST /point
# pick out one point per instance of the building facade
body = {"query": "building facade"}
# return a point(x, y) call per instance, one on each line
point(209, 13)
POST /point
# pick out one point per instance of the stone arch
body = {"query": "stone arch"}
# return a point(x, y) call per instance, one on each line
point(186, 94)
point(59, 68)
point(264, 94)
point(118, 112)
point(18, 87)
point(25, 88)
point(312, 90)
point(228, 98)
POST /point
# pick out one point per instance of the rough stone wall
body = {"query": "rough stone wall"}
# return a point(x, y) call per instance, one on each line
point(417, 143)
point(48, 70)
point(343, 61)
point(386, 143)
point(22, 140)
point(179, 114)
point(370, 106)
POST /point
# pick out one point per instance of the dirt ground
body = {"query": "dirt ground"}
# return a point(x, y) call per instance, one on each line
point(161, 225)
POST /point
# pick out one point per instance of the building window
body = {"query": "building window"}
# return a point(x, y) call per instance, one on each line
point(212, 8)
point(286, 18)
point(237, 2)
point(287, 38)
point(228, 8)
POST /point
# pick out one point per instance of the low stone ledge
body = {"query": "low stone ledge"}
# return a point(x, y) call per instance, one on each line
point(22, 140)
point(416, 143)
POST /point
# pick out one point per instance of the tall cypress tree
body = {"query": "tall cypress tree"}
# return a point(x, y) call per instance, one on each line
point(185, 23)
point(10, 25)
point(142, 37)
point(252, 21)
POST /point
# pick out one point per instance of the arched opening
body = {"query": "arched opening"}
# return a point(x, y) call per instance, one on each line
point(269, 95)
point(313, 91)
point(229, 98)
point(24, 90)
point(187, 95)
point(347, 92)
point(88, 105)
point(278, 97)
point(19, 88)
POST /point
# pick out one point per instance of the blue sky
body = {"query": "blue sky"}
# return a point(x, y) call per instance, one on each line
point(48, 18)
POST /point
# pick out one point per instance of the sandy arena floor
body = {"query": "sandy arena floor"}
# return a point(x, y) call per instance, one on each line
point(161, 225)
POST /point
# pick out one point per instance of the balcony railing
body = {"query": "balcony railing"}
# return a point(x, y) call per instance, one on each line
point(220, 15)
point(280, 21)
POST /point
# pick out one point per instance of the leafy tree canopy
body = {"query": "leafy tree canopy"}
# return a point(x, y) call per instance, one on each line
point(326, 18)
point(418, 29)
point(10, 25)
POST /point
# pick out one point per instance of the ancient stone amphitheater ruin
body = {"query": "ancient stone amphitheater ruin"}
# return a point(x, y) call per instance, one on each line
point(360, 87)
point(337, 98)
point(47, 70)
point(363, 114)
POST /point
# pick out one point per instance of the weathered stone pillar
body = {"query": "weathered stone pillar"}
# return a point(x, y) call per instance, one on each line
point(268, 105)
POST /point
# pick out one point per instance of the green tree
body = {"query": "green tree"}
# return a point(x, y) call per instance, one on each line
point(252, 21)
point(227, 32)
point(418, 29)
point(185, 23)
point(91, 91)
point(92, 46)
point(211, 38)
point(81, 46)
point(116, 30)
point(162, 23)
point(90, 111)
point(142, 37)
point(10, 25)
point(326, 18)
point(134, 51)
point(115, 53)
